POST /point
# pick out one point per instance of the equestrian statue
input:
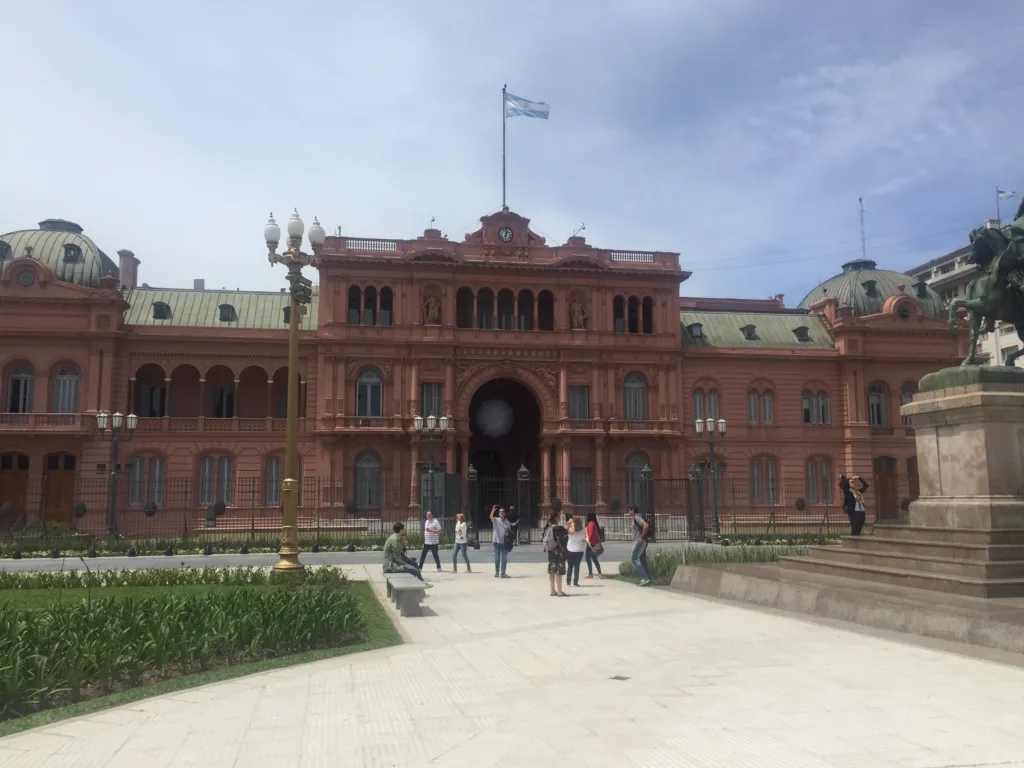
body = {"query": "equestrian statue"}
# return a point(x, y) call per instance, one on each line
point(996, 293)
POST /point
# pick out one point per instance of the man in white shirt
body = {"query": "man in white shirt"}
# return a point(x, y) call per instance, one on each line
point(431, 538)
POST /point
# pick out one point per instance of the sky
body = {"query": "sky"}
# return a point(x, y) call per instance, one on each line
point(739, 133)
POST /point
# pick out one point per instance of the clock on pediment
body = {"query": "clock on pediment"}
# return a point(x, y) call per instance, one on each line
point(505, 234)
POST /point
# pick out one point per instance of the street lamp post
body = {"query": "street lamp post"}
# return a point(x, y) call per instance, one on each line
point(117, 428)
point(432, 424)
point(708, 426)
point(301, 292)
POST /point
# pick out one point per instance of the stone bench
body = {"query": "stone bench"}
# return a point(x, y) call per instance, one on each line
point(406, 592)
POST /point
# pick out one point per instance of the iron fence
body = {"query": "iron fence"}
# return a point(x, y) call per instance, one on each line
point(180, 508)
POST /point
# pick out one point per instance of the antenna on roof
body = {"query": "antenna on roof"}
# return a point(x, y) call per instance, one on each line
point(339, 231)
point(431, 222)
point(582, 227)
point(863, 241)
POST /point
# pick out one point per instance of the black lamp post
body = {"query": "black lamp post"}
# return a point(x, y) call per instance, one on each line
point(117, 428)
point(708, 426)
point(432, 424)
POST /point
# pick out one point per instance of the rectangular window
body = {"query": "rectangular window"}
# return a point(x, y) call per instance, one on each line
point(580, 486)
point(1006, 352)
point(713, 404)
point(65, 394)
point(810, 412)
point(155, 481)
point(225, 480)
point(431, 399)
point(756, 483)
point(579, 403)
point(216, 480)
point(151, 401)
point(811, 483)
point(824, 410)
point(205, 481)
point(753, 407)
point(273, 490)
point(826, 482)
point(763, 482)
point(136, 481)
point(771, 484)
point(369, 400)
point(635, 401)
point(698, 405)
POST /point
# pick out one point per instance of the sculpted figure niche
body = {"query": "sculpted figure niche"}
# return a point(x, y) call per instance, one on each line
point(431, 311)
point(577, 315)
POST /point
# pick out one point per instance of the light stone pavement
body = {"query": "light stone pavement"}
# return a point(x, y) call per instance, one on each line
point(500, 674)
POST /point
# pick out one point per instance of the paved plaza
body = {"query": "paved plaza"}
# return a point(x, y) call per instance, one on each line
point(500, 674)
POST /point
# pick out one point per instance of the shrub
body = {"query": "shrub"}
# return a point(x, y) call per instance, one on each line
point(664, 562)
point(161, 577)
point(71, 651)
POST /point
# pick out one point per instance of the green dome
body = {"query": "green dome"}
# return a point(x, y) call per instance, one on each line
point(865, 288)
point(60, 245)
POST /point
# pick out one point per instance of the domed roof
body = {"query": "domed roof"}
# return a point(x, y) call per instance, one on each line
point(865, 288)
point(60, 245)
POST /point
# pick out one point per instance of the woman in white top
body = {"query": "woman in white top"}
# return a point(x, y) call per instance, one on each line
point(460, 543)
point(576, 547)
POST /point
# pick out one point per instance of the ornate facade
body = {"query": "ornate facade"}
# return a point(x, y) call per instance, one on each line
point(579, 364)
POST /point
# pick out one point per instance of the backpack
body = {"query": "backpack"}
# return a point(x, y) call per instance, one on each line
point(558, 539)
point(649, 519)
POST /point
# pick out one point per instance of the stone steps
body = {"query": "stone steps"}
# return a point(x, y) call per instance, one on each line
point(913, 559)
point(960, 585)
point(978, 536)
point(879, 543)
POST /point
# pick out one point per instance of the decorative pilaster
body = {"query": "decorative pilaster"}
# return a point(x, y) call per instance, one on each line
point(414, 388)
point(599, 469)
point(167, 397)
point(563, 392)
point(234, 399)
point(270, 400)
point(663, 395)
point(449, 387)
point(414, 455)
point(595, 393)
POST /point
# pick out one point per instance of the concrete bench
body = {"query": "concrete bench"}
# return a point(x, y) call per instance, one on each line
point(406, 592)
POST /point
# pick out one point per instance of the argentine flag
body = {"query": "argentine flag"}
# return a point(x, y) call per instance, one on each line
point(517, 107)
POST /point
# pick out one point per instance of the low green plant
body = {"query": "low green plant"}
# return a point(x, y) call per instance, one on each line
point(663, 563)
point(163, 577)
point(67, 652)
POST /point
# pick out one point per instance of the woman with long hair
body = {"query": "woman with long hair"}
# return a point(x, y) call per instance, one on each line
point(553, 540)
point(594, 546)
point(575, 548)
point(460, 543)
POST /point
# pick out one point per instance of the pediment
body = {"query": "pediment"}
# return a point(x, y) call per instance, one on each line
point(435, 257)
point(505, 228)
point(580, 260)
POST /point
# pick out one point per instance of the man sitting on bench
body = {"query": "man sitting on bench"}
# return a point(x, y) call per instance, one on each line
point(395, 560)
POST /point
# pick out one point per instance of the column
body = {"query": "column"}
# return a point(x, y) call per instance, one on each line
point(326, 388)
point(414, 387)
point(599, 469)
point(167, 396)
point(96, 379)
point(340, 386)
point(563, 392)
point(515, 311)
point(595, 392)
point(545, 472)
point(131, 395)
point(662, 395)
point(449, 455)
point(613, 407)
point(449, 388)
point(234, 401)
point(536, 316)
point(414, 450)
point(474, 320)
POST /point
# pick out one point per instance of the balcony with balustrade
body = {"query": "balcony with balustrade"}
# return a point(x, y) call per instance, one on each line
point(47, 423)
point(210, 425)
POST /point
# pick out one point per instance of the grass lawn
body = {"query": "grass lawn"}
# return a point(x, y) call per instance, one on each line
point(380, 633)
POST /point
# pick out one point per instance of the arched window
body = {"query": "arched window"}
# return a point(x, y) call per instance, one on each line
point(355, 305)
point(633, 314)
point(368, 482)
point(635, 463)
point(877, 415)
point(216, 480)
point(634, 397)
point(712, 404)
point(370, 305)
point(485, 308)
point(387, 302)
point(546, 311)
point(525, 318)
point(763, 481)
point(65, 390)
point(506, 309)
point(21, 382)
point(648, 314)
point(907, 392)
point(146, 481)
point(619, 314)
point(698, 405)
point(818, 481)
point(810, 408)
point(754, 406)
point(369, 393)
point(816, 408)
point(464, 308)
point(705, 404)
point(767, 407)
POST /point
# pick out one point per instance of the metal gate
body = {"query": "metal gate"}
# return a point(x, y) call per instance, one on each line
point(519, 495)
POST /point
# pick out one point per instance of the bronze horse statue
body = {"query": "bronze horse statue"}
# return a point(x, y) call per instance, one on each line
point(997, 292)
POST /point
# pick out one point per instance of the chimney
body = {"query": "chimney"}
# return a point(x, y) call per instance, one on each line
point(128, 268)
point(992, 224)
point(199, 285)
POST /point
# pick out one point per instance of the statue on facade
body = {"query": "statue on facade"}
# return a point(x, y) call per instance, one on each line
point(996, 293)
point(577, 315)
point(431, 311)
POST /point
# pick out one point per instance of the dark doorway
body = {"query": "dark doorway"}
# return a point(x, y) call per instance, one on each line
point(504, 436)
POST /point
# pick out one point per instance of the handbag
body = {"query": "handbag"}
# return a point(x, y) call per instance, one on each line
point(598, 550)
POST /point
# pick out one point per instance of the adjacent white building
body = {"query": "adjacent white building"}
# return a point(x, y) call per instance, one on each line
point(948, 276)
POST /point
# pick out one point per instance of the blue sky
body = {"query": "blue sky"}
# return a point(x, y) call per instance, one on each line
point(737, 132)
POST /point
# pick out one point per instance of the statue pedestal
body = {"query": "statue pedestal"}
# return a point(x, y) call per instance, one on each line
point(965, 533)
point(969, 425)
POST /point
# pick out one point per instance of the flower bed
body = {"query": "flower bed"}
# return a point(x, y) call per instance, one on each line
point(663, 563)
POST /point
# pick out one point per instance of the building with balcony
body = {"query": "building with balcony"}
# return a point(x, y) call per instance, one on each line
point(580, 365)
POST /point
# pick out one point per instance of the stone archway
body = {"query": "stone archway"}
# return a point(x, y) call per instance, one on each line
point(541, 381)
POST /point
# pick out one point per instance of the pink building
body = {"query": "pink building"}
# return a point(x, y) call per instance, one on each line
point(576, 363)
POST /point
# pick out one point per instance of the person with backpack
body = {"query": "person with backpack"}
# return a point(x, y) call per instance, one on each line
point(638, 555)
point(594, 546)
point(554, 539)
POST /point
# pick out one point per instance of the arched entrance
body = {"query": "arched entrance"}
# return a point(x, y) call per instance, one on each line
point(505, 421)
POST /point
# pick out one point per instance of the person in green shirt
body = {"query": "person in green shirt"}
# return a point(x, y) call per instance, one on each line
point(395, 560)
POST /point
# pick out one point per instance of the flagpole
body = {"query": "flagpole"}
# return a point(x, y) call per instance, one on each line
point(503, 89)
point(998, 216)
